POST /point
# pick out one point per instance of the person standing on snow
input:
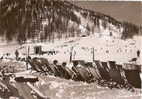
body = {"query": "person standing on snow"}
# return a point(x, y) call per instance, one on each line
point(17, 54)
point(138, 53)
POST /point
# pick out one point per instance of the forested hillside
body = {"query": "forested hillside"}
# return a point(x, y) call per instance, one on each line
point(44, 20)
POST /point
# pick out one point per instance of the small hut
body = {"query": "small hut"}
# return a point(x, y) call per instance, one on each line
point(38, 49)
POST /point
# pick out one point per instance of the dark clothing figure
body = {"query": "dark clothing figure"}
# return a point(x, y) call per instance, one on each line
point(56, 68)
point(110, 34)
point(65, 72)
point(17, 54)
point(77, 75)
point(29, 57)
point(75, 63)
point(61, 71)
point(55, 62)
point(138, 53)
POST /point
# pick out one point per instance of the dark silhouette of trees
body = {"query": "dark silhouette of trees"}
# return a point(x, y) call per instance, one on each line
point(23, 19)
point(129, 30)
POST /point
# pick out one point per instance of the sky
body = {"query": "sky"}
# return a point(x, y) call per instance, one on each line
point(130, 11)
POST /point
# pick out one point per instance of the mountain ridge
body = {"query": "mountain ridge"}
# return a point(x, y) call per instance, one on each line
point(48, 19)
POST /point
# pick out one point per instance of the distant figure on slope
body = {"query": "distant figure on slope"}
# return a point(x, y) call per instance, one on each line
point(138, 57)
point(138, 53)
point(110, 34)
point(17, 54)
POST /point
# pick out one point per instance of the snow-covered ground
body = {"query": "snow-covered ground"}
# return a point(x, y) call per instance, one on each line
point(57, 88)
point(105, 48)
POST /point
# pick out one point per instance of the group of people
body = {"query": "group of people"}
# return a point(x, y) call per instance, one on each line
point(80, 72)
point(65, 72)
point(7, 55)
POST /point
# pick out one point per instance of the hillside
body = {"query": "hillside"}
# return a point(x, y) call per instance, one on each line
point(45, 20)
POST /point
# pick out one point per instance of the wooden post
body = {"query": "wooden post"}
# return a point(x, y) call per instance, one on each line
point(71, 54)
point(27, 57)
point(93, 55)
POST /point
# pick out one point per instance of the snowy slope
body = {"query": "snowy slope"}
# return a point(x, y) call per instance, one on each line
point(63, 24)
point(105, 48)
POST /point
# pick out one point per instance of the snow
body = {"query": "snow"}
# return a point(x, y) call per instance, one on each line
point(118, 50)
point(105, 48)
point(59, 88)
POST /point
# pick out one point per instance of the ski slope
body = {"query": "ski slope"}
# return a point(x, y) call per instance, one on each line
point(105, 48)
